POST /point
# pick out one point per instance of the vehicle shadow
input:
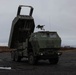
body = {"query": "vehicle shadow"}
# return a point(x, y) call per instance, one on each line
point(24, 65)
point(39, 63)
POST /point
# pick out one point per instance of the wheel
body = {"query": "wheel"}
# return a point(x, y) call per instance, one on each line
point(17, 57)
point(13, 56)
point(54, 60)
point(31, 59)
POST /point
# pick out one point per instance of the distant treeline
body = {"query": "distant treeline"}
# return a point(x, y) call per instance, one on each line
point(67, 48)
point(4, 49)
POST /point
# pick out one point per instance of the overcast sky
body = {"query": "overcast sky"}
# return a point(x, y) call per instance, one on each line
point(57, 15)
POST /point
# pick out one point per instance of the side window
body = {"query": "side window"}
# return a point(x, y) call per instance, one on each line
point(43, 35)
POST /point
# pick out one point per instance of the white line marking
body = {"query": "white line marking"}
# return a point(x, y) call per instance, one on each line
point(8, 68)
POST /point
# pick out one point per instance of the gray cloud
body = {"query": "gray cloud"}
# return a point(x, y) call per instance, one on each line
point(57, 15)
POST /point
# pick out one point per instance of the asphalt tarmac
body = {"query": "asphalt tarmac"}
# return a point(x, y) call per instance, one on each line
point(65, 66)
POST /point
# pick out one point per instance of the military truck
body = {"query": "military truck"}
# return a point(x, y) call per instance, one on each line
point(35, 46)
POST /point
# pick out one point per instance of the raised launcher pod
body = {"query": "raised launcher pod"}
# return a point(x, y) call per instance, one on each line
point(22, 27)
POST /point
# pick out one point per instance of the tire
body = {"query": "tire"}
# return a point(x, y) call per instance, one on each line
point(31, 59)
point(54, 60)
point(13, 56)
point(17, 58)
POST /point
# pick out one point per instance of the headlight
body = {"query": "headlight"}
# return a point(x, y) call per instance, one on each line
point(59, 53)
point(41, 54)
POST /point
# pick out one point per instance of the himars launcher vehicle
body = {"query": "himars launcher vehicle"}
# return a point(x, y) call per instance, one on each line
point(32, 45)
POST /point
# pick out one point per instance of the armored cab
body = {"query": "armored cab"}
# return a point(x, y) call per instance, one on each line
point(33, 45)
point(46, 45)
point(45, 40)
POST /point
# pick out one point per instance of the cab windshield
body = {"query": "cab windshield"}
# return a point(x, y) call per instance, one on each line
point(51, 35)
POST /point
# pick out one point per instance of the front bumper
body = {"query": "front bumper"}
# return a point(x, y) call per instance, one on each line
point(48, 56)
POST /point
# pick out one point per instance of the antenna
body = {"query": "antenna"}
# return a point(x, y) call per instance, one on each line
point(49, 22)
